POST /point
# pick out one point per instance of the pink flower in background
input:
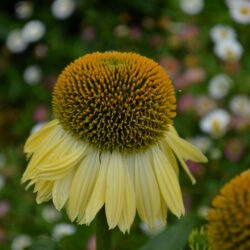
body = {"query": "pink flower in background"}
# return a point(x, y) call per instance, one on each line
point(171, 65)
point(188, 33)
point(91, 244)
point(187, 201)
point(4, 208)
point(234, 149)
point(50, 81)
point(155, 41)
point(195, 168)
point(41, 51)
point(240, 123)
point(135, 33)
point(185, 103)
point(189, 77)
point(89, 34)
point(40, 114)
point(204, 104)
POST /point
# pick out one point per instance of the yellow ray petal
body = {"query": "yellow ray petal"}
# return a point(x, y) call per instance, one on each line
point(170, 156)
point(59, 168)
point(35, 139)
point(146, 188)
point(83, 184)
point(44, 153)
point(44, 191)
point(114, 197)
point(61, 188)
point(168, 182)
point(129, 209)
point(98, 196)
point(184, 148)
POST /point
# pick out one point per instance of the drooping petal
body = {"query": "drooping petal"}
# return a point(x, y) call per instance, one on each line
point(184, 148)
point(129, 209)
point(115, 190)
point(147, 192)
point(44, 191)
point(168, 182)
point(35, 139)
point(61, 188)
point(65, 156)
point(98, 196)
point(170, 156)
point(83, 184)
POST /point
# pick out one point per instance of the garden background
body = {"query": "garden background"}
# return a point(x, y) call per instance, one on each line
point(202, 45)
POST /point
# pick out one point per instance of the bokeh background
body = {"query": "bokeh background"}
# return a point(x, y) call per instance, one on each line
point(202, 45)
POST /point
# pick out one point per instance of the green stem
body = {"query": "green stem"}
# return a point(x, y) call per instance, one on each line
point(103, 234)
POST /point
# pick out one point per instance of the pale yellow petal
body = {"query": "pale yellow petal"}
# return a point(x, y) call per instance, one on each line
point(98, 196)
point(44, 153)
point(129, 209)
point(168, 182)
point(184, 148)
point(61, 188)
point(35, 139)
point(59, 168)
point(146, 188)
point(44, 191)
point(170, 156)
point(114, 197)
point(83, 184)
point(64, 157)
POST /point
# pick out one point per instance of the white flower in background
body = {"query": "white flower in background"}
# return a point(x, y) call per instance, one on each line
point(215, 154)
point(203, 212)
point(33, 31)
point(2, 182)
point(15, 42)
point(63, 229)
point(121, 30)
point(240, 11)
point(50, 214)
point(62, 9)
point(222, 32)
point(191, 7)
point(37, 127)
point(24, 9)
point(32, 74)
point(228, 50)
point(158, 228)
point(204, 143)
point(21, 242)
point(240, 105)
point(215, 123)
point(219, 86)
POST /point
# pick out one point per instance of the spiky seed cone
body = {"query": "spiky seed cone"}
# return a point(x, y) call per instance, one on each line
point(229, 219)
point(114, 100)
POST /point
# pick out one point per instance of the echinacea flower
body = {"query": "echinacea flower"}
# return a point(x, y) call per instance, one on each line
point(229, 218)
point(222, 32)
point(112, 143)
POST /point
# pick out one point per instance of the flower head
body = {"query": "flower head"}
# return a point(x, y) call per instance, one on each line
point(215, 122)
point(229, 50)
point(191, 7)
point(240, 11)
point(219, 86)
point(112, 142)
point(222, 32)
point(229, 217)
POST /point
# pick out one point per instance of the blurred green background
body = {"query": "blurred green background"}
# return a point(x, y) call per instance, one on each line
point(39, 38)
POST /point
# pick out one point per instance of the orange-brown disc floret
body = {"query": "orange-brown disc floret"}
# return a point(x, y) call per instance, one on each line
point(229, 219)
point(115, 101)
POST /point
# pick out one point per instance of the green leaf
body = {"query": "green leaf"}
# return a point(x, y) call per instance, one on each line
point(174, 237)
